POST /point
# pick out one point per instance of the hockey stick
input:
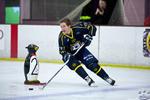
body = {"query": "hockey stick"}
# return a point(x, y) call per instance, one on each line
point(62, 67)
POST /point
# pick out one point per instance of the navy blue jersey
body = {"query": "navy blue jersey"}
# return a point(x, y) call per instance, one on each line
point(70, 43)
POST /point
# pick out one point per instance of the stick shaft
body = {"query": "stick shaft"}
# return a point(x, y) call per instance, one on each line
point(62, 66)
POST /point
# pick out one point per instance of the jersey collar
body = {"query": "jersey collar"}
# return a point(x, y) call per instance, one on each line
point(69, 35)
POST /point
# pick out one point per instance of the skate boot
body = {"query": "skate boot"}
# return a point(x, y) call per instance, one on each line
point(110, 81)
point(90, 81)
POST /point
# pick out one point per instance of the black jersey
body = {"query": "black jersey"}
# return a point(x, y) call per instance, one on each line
point(70, 43)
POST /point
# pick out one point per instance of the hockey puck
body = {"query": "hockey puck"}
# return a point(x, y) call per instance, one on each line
point(30, 88)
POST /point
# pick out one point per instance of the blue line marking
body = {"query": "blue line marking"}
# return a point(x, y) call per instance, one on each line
point(76, 93)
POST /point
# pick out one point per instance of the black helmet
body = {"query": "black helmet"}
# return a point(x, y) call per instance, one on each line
point(32, 48)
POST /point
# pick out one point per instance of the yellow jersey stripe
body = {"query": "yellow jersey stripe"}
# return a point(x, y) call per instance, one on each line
point(68, 35)
point(91, 30)
point(62, 40)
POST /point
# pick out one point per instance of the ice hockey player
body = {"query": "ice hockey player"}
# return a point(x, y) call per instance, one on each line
point(31, 66)
point(70, 39)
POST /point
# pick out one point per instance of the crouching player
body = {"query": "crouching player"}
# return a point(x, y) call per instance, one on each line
point(31, 66)
point(70, 39)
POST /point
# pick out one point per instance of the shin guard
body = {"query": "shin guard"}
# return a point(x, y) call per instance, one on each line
point(80, 71)
point(94, 67)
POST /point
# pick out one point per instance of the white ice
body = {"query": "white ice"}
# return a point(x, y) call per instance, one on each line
point(67, 85)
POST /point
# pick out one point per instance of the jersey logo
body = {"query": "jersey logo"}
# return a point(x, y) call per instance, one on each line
point(75, 46)
point(73, 40)
point(88, 57)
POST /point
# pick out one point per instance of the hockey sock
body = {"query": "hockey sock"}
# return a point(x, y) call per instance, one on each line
point(94, 67)
point(103, 74)
point(105, 77)
point(80, 71)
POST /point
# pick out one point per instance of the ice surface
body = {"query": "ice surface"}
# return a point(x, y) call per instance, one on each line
point(130, 84)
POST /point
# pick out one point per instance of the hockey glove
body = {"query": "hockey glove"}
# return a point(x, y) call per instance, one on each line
point(87, 40)
point(67, 56)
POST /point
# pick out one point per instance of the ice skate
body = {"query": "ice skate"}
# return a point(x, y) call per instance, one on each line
point(110, 81)
point(90, 81)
